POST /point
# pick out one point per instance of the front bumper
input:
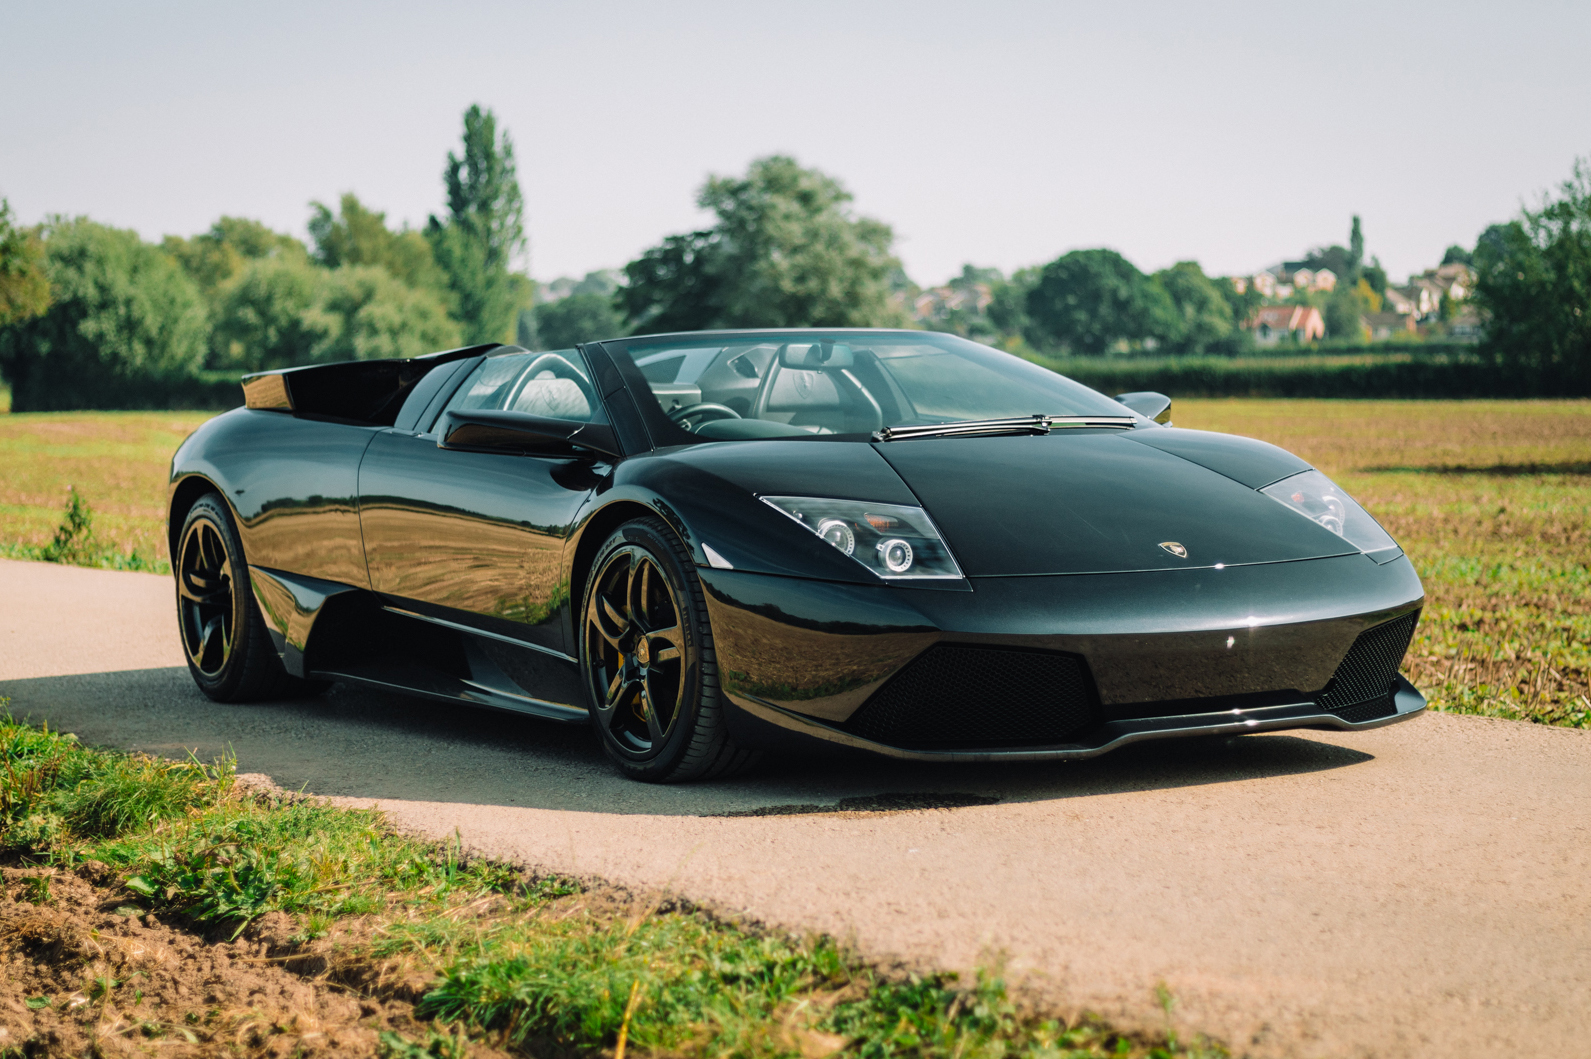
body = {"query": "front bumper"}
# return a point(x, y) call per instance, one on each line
point(1163, 653)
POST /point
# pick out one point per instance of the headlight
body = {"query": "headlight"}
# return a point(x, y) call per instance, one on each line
point(894, 542)
point(1318, 498)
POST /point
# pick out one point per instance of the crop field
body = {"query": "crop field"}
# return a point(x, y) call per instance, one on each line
point(1491, 499)
point(1492, 502)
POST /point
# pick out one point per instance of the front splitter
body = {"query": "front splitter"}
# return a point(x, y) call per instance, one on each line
point(1108, 736)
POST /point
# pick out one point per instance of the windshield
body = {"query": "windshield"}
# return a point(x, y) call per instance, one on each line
point(806, 383)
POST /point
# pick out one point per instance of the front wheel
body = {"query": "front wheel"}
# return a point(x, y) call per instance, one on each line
point(647, 656)
point(230, 653)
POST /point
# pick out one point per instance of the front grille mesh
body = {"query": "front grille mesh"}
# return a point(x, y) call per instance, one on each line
point(1361, 689)
point(962, 695)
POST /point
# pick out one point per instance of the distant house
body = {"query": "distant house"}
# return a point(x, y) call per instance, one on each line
point(1273, 323)
point(936, 303)
point(1381, 326)
point(1455, 280)
point(1398, 301)
point(1325, 279)
point(1466, 325)
point(1265, 283)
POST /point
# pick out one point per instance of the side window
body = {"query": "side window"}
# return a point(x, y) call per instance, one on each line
point(554, 385)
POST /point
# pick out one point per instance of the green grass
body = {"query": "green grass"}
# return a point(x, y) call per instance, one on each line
point(117, 462)
point(535, 965)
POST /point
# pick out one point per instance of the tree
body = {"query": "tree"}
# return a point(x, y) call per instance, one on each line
point(1008, 306)
point(577, 318)
point(1457, 255)
point(24, 286)
point(358, 235)
point(1204, 322)
point(124, 325)
point(1356, 245)
point(1533, 288)
point(485, 228)
point(278, 314)
point(212, 258)
point(786, 251)
point(1091, 301)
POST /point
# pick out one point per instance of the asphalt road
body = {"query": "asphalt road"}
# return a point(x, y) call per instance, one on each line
point(1421, 890)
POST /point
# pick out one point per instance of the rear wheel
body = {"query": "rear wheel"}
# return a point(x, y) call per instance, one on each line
point(646, 652)
point(230, 653)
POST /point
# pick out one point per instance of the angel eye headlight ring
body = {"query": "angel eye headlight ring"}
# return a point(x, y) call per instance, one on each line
point(838, 533)
point(894, 541)
point(896, 555)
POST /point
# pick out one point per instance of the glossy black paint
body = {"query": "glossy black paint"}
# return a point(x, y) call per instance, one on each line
point(1078, 501)
point(384, 557)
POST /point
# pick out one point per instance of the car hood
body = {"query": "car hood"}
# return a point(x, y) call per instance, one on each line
point(1073, 503)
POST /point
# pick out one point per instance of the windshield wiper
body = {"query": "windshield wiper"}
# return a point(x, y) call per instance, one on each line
point(1033, 424)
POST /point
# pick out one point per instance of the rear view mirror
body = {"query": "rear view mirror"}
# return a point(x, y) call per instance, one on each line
point(816, 357)
point(524, 434)
point(1147, 403)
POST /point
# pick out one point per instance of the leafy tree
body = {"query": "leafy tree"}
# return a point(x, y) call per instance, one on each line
point(1091, 301)
point(1344, 307)
point(786, 251)
point(365, 313)
point(1375, 275)
point(125, 323)
point(280, 313)
point(1533, 288)
point(1457, 255)
point(1356, 245)
point(358, 235)
point(1204, 322)
point(1008, 308)
point(577, 318)
point(264, 318)
point(674, 286)
point(1242, 303)
point(485, 227)
point(214, 257)
point(24, 286)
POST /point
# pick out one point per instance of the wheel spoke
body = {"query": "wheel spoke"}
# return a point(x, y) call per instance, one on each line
point(674, 636)
point(211, 629)
point(653, 725)
point(614, 689)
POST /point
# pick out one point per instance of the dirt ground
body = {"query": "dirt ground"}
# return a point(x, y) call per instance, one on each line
point(82, 974)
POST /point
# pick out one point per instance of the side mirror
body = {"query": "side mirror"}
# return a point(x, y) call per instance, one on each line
point(817, 356)
point(1147, 403)
point(525, 434)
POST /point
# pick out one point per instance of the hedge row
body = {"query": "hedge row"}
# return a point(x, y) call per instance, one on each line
point(1353, 376)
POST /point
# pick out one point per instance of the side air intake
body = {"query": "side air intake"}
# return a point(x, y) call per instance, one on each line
point(1361, 689)
point(955, 696)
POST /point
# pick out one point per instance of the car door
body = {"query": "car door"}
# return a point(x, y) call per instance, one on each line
point(478, 537)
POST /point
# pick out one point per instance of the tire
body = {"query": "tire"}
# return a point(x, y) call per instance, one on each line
point(647, 661)
point(230, 653)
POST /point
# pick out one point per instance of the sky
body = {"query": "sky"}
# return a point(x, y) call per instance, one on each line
point(994, 132)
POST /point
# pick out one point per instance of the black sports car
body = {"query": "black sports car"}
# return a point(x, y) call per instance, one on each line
point(709, 544)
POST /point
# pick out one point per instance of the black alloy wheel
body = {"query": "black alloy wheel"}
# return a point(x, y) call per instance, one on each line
point(646, 651)
point(230, 653)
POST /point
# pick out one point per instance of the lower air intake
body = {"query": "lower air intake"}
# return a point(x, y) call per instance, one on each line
point(955, 696)
point(1362, 688)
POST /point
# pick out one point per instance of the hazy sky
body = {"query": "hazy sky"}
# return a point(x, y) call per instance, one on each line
point(1001, 133)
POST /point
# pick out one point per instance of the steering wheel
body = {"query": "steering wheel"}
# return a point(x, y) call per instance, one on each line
point(694, 415)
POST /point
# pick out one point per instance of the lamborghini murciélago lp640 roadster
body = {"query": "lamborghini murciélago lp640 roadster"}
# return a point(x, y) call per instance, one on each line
point(713, 544)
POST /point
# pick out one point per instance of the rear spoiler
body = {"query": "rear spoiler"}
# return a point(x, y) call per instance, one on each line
point(363, 391)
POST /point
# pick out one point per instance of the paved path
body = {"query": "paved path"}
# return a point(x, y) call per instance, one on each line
point(1417, 891)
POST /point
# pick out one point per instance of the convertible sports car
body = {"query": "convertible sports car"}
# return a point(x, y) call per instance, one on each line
point(706, 545)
